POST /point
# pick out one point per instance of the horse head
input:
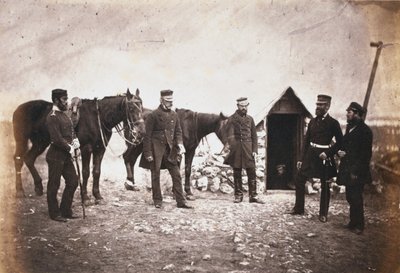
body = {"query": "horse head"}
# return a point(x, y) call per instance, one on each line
point(73, 110)
point(134, 122)
point(221, 129)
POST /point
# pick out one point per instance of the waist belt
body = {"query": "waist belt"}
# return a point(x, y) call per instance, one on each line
point(314, 145)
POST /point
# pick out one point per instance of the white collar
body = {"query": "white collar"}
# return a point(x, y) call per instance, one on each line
point(55, 108)
point(324, 116)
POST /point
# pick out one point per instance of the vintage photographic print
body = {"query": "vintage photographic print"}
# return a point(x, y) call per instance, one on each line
point(200, 136)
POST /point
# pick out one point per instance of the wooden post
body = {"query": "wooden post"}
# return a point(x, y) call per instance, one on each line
point(378, 45)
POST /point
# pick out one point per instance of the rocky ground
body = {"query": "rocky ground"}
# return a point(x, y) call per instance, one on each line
point(127, 234)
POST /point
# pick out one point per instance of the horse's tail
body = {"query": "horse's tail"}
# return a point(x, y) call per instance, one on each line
point(20, 129)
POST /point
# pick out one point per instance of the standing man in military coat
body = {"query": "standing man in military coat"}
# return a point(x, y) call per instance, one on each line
point(318, 162)
point(241, 150)
point(354, 171)
point(60, 157)
point(163, 148)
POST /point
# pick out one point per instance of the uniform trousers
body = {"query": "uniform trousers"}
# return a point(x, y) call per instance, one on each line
point(300, 195)
point(66, 169)
point(354, 196)
point(175, 173)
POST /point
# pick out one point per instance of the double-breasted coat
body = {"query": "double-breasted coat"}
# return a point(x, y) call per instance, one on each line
point(357, 144)
point(60, 163)
point(321, 132)
point(163, 131)
point(242, 141)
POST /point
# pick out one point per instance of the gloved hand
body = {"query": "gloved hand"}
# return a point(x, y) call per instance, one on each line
point(298, 165)
point(341, 153)
point(71, 150)
point(150, 158)
point(74, 152)
point(75, 143)
point(181, 149)
point(254, 155)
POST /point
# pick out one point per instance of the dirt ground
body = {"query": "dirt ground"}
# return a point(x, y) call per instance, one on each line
point(127, 234)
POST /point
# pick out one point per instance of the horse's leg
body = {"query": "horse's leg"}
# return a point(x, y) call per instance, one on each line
point(97, 158)
point(130, 162)
point(20, 149)
point(127, 161)
point(38, 147)
point(86, 154)
point(188, 171)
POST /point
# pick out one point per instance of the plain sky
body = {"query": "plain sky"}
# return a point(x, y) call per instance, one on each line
point(208, 52)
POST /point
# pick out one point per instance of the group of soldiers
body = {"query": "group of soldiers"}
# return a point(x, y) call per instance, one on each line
point(163, 149)
point(323, 140)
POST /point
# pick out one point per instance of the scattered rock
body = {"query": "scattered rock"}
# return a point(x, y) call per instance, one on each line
point(206, 257)
point(169, 267)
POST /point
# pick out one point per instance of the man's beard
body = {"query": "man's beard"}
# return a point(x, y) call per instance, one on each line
point(244, 111)
point(63, 107)
point(319, 112)
point(353, 121)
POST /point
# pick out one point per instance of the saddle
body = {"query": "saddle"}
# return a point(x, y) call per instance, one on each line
point(73, 110)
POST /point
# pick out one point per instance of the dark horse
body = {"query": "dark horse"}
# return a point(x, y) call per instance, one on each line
point(94, 130)
point(194, 126)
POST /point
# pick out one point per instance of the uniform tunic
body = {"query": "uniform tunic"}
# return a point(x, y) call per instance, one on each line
point(60, 163)
point(320, 131)
point(163, 134)
point(357, 144)
point(242, 141)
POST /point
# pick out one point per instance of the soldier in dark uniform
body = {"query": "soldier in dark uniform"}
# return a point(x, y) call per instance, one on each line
point(354, 171)
point(318, 162)
point(60, 158)
point(163, 149)
point(241, 150)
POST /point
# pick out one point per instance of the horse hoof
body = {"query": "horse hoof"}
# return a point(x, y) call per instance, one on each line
point(39, 191)
point(130, 186)
point(87, 203)
point(99, 201)
point(190, 197)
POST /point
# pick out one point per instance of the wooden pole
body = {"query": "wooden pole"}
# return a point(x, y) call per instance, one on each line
point(378, 45)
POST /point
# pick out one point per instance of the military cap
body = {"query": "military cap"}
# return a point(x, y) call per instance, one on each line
point(323, 99)
point(167, 95)
point(355, 107)
point(58, 93)
point(242, 101)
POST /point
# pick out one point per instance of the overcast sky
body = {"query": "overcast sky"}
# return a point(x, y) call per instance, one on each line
point(208, 52)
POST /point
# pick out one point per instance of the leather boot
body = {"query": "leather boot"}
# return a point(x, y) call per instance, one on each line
point(237, 179)
point(253, 198)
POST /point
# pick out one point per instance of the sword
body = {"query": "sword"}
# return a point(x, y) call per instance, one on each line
point(80, 183)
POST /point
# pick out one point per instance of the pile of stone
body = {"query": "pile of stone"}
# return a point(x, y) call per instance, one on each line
point(213, 175)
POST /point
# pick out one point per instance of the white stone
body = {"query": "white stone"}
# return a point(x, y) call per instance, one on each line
point(202, 183)
point(214, 184)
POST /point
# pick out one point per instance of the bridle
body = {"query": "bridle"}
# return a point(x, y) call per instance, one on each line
point(132, 127)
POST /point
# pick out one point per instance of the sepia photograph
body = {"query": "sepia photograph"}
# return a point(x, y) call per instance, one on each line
point(241, 136)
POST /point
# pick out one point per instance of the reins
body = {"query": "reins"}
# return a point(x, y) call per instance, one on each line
point(119, 128)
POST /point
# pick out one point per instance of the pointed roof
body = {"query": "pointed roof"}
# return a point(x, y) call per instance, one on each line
point(280, 104)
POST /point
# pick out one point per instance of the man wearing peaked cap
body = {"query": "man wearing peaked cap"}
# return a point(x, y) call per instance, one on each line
point(322, 99)
point(59, 157)
point(167, 95)
point(356, 108)
point(58, 94)
point(241, 150)
point(354, 171)
point(242, 101)
point(163, 149)
point(322, 140)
